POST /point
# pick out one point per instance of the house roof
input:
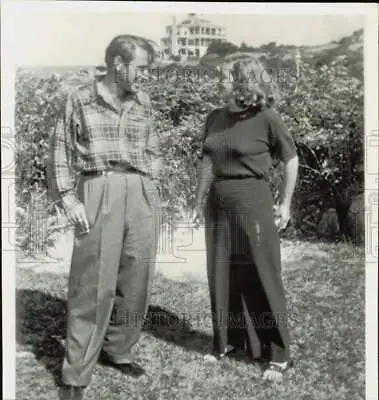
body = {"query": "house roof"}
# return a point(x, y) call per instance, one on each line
point(194, 19)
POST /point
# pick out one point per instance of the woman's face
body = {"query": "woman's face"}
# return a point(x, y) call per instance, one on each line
point(225, 90)
point(225, 84)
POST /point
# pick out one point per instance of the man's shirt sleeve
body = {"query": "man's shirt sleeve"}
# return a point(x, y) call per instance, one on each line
point(153, 145)
point(62, 143)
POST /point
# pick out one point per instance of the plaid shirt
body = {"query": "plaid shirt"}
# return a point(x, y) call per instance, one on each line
point(94, 133)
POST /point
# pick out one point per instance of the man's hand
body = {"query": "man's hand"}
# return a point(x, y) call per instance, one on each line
point(282, 216)
point(77, 216)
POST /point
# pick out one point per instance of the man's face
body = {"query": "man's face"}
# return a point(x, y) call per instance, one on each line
point(128, 73)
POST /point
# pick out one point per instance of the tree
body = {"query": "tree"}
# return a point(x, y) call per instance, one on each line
point(269, 47)
point(325, 115)
point(245, 48)
point(221, 48)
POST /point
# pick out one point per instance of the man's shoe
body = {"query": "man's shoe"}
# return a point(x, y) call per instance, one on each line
point(132, 369)
point(69, 392)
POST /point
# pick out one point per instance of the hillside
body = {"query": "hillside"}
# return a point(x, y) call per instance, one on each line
point(349, 48)
point(354, 42)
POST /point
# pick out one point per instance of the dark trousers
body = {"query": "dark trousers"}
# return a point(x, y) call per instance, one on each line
point(244, 270)
point(111, 272)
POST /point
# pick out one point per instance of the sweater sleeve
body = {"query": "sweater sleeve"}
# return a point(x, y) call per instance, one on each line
point(281, 142)
point(205, 131)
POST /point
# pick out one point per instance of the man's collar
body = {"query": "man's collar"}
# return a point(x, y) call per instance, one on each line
point(138, 95)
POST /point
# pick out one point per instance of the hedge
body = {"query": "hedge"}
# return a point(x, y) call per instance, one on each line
point(323, 110)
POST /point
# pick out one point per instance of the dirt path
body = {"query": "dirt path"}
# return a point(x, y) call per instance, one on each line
point(181, 255)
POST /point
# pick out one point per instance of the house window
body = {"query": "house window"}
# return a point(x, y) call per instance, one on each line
point(207, 31)
point(213, 31)
point(190, 42)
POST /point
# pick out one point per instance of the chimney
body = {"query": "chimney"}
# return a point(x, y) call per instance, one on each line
point(174, 40)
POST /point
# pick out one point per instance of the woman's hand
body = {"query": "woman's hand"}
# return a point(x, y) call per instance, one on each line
point(282, 215)
point(196, 215)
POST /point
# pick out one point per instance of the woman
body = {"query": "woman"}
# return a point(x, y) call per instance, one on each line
point(242, 240)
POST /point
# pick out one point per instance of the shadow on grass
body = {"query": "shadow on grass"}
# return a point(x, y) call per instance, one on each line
point(168, 326)
point(41, 326)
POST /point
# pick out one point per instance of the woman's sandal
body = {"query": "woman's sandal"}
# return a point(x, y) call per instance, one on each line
point(274, 372)
point(217, 357)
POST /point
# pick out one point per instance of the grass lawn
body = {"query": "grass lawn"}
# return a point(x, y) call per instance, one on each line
point(326, 311)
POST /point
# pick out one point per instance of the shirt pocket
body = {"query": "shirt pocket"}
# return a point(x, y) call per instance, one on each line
point(136, 128)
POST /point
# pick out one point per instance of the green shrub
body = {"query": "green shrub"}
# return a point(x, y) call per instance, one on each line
point(325, 116)
point(323, 110)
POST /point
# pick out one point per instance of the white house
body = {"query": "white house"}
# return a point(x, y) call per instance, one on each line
point(191, 37)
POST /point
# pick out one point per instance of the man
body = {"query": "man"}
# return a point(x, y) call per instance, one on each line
point(105, 139)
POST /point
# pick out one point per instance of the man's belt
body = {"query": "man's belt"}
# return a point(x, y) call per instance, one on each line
point(111, 170)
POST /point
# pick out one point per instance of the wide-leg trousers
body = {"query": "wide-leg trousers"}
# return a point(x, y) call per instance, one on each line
point(111, 271)
point(244, 270)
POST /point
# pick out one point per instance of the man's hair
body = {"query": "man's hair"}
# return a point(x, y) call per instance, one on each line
point(125, 46)
point(251, 81)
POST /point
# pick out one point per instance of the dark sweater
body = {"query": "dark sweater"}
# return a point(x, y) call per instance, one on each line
point(245, 146)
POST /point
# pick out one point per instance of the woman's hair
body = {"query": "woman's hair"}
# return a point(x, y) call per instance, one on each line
point(125, 46)
point(250, 83)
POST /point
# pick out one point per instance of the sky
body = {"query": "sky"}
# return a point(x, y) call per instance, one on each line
point(48, 34)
